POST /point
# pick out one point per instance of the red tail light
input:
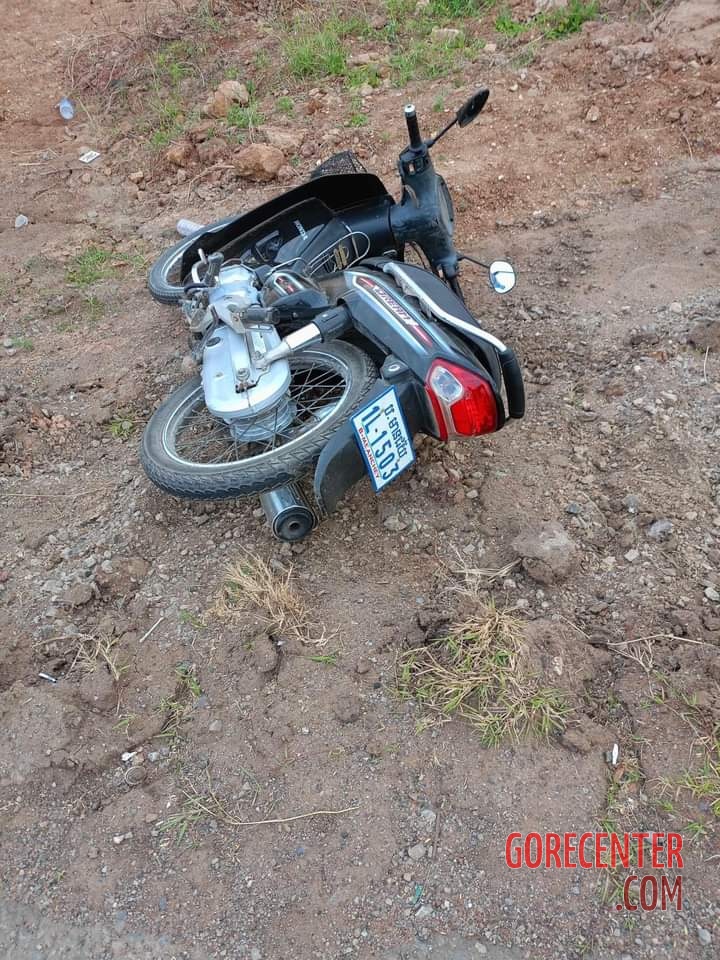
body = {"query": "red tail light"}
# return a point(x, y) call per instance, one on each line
point(463, 402)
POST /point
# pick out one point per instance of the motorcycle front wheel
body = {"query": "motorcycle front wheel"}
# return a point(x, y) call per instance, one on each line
point(165, 280)
point(190, 453)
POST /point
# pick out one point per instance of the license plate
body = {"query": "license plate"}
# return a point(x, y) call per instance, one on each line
point(384, 438)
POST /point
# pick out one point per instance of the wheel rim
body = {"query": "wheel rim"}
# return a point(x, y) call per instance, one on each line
point(193, 437)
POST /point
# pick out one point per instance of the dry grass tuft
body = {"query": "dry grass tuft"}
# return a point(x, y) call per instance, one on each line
point(251, 584)
point(97, 650)
point(473, 582)
point(481, 672)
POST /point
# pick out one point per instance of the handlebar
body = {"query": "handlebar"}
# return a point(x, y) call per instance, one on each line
point(416, 141)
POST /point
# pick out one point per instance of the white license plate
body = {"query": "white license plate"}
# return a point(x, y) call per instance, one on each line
point(384, 439)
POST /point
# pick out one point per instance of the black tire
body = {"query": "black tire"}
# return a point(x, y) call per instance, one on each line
point(216, 481)
point(164, 282)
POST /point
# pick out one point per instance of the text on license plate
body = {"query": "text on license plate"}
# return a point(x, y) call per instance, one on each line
point(384, 438)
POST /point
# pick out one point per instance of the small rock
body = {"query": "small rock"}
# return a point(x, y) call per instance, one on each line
point(417, 852)
point(593, 115)
point(395, 523)
point(712, 594)
point(216, 726)
point(213, 151)
point(704, 936)
point(676, 307)
point(632, 555)
point(21, 221)
point(490, 48)
point(259, 162)
point(428, 816)
point(289, 141)
point(181, 154)
point(137, 177)
point(264, 653)
point(660, 530)
point(78, 595)
point(446, 34)
point(255, 954)
point(424, 912)
point(346, 707)
point(228, 93)
point(548, 554)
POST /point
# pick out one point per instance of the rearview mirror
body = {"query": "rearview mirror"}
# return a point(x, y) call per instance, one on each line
point(472, 107)
point(502, 276)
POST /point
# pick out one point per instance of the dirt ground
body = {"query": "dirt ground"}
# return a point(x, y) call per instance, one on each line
point(130, 789)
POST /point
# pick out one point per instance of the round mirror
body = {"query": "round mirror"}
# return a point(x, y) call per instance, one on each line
point(502, 276)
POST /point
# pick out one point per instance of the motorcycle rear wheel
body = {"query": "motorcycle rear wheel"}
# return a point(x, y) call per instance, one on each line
point(189, 453)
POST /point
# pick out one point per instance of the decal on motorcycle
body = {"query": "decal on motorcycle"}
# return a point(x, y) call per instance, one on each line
point(394, 307)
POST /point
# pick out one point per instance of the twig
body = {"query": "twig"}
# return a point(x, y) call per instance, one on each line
point(707, 351)
point(688, 144)
point(146, 635)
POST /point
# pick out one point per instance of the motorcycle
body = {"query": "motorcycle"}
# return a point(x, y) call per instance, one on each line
point(321, 347)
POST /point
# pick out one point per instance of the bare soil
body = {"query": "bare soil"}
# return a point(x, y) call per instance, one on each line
point(614, 225)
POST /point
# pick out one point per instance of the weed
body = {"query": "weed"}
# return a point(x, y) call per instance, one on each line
point(22, 343)
point(704, 782)
point(177, 708)
point(94, 650)
point(286, 106)
point(358, 119)
point(124, 722)
point(251, 583)
point(245, 118)
point(329, 659)
point(367, 73)
point(262, 60)
point(480, 672)
point(438, 104)
point(174, 61)
point(314, 50)
point(187, 616)
point(121, 427)
point(98, 263)
point(552, 24)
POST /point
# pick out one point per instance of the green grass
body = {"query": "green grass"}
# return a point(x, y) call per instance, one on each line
point(367, 73)
point(121, 427)
point(188, 617)
point(314, 50)
point(358, 119)
point(432, 60)
point(174, 61)
point(22, 343)
point(329, 659)
point(99, 263)
point(286, 106)
point(245, 118)
point(553, 24)
point(480, 673)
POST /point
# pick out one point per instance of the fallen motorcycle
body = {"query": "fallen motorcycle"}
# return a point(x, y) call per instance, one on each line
point(321, 349)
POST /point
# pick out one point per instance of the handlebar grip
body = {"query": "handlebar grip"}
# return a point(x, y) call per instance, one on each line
point(514, 387)
point(411, 120)
point(333, 322)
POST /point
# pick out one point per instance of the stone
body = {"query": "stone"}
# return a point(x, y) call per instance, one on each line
point(660, 530)
point(220, 101)
point(136, 177)
point(395, 523)
point(548, 554)
point(181, 154)
point(417, 852)
point(446, 34)
point(712, 594)
point(428, 816)
point(632, 555)
point(346, 707)
point(705, 335)
point(264, 653)
point(121, 576)
point(216, 726)
point(201, 131)
point(78, 595)
point(213, 151)
point(593, 114)
point(704, 936)
point(289, 141)
point(676, 307)
point(259, 162)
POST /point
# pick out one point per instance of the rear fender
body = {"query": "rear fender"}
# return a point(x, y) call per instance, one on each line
point(341, 464)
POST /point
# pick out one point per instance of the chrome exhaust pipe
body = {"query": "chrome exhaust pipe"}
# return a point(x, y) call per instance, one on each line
point(290, 516)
